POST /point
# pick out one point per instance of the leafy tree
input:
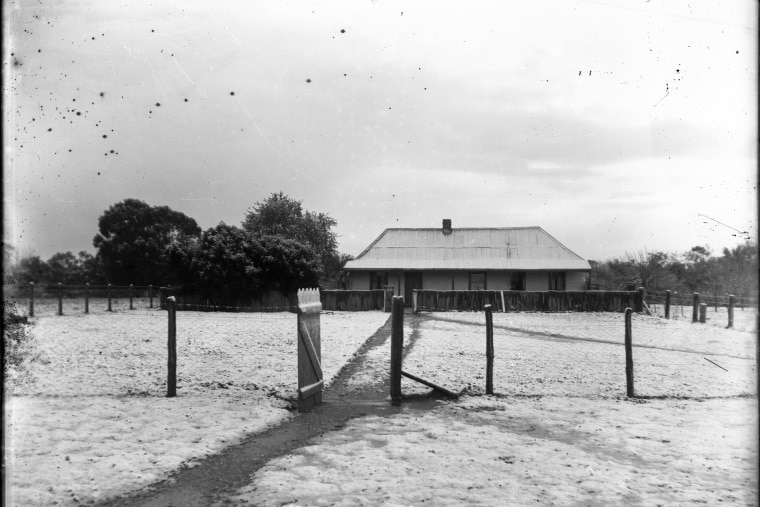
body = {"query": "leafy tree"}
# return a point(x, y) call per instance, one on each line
point(134, 240)
point(284, 217)
point(32, 269)
point(284, 264)
point(222, 263)
point(64, 268)
point(739, 269)
point(89, 269)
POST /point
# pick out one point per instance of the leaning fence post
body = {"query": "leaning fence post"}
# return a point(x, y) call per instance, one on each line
point(109, 297)
point(60, 299)
point(703, 313)
point(171, 380)
point(397, 345)
point(489, 350)
point(31, 299)
point(731, 299)
point(628, 353)
point(695, 307)
point(130, 297)
point(150, 295)
point(667, 304)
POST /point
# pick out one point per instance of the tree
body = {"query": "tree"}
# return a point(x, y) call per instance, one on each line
point(284, 264)
point(739, 268)
point(32, 269)
point(64, 269)
point(284, 217)
point(135, 238)
point(222, 263)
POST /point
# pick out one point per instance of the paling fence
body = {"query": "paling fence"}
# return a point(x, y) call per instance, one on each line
point(190, 299)
point(581, 355)
point(357, 300)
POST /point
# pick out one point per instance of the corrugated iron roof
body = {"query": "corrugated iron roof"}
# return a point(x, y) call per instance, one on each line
point(510, 248)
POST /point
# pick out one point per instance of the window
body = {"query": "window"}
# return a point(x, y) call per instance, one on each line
point(378, 279)
point(518, 281)
point(557, 281)
point(477, 281)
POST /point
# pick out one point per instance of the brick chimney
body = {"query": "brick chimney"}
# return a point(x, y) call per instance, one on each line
point(446, 226)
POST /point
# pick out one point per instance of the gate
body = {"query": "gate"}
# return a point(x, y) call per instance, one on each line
point(310, 378)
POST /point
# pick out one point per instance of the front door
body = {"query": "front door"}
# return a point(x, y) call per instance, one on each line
point(412, 280)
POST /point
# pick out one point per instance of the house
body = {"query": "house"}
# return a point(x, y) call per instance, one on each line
point(505, 258)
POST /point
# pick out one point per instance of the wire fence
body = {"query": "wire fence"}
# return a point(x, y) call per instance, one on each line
point(541, 354)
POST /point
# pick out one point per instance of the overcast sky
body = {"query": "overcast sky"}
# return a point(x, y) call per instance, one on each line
point(616, 126)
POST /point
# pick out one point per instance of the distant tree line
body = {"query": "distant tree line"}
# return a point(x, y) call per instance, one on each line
point(698, 270)
point(279, 246)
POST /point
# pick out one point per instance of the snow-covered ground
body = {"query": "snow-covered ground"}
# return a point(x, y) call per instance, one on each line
point(577, 354)
point(526, 451)
point(88, 417)
point(560, 430)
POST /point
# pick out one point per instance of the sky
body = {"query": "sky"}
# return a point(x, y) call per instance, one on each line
point(618, 127)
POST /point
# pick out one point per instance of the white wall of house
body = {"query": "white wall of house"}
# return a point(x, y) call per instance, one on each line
point(495, 280)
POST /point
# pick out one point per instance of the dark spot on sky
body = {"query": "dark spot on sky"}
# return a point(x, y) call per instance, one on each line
point(158, 104)
point(16, 63)
point(152, 30)
point(104, 136)
point(678, 71)
point(98, 174)
point(185, 100)
point(232, 93)
point(342, 31)
point(93, 38)
point(69, 150)
point(50, 130)
point(308, 80)
point(737, 51)
point(79, 113)
point(111, 151)
point(39, 51)
point(102, 94)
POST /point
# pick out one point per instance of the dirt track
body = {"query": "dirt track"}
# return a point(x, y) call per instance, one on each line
point(221, 474)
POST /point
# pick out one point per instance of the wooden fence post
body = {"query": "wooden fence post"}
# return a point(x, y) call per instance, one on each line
point(667, 304)
point(640, 300)
point(628, 353)
point(695, 307)
point(31, 299)
point(489, 350)
point(87, 298)
point(130, 297)
point(60, 299)
point(150, 295)
point(171, 379)
point(397, 346)
point(414, 302)
point(109, 297)
point(703, 313)
point(731, 301)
